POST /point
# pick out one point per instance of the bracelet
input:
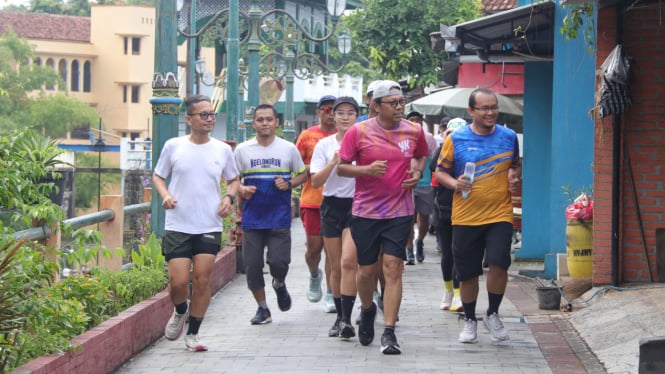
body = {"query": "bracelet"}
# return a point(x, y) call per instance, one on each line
point(233, 198)
point(290, 185)
point(420, 171)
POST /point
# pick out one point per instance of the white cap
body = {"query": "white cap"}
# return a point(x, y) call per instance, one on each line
point(372, 85)
point(456, 123)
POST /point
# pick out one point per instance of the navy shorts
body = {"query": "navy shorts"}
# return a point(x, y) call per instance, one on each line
point(335, 215)
point(182, 245)
point(473, 243)
point(376, 236)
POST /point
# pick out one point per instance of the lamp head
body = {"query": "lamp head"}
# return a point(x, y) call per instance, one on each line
point(200, 66)
point(344, 43)
point(335, 8)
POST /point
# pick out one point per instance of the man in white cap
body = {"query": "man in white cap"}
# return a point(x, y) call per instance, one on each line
point(368, 101)
point(389, 154)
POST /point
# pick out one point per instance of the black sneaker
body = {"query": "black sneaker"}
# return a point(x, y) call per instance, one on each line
point(283, 297)
point(346, 330)
point(389, 345)
point(334, 330)
point(420, 250)
point(410, 260)
point(262, 317)
point(366, 327)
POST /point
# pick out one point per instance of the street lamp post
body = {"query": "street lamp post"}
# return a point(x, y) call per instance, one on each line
point(279, 29)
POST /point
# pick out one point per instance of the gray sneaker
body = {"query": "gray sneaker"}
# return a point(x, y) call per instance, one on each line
point(469, 333)
point(175, 326)
point(329, 303)
point(494, 325)
point(314, 293)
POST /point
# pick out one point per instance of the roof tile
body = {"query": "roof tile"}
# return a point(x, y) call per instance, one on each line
point(46, 26)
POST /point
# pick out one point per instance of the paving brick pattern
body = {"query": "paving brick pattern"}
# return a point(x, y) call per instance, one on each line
point(297, 341)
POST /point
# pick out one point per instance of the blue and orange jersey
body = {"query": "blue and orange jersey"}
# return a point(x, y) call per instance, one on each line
point(495, 153)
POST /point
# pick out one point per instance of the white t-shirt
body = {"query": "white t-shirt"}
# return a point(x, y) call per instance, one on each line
point(337, 186)
point(195, 171)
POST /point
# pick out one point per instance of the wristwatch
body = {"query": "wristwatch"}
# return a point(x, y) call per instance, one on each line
point(233, 198)
point(290, 185)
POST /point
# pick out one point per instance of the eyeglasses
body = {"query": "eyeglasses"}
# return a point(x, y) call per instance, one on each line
point(204, 115)
point(327, 109)
point(395, 103)
point(487, 109)
point(345, 114)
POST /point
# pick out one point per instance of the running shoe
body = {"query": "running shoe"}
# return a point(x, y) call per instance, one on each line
point(447, 300)
point(175, 326)
point(283, 297)
point(262, 317)
point(329, 303)
point(334, 330)
point(410, 259)
point(314, 293)
point(366, 327)
point(494, 325)
point(389, 345)
point(456, 306)
point(194, 344)
point(420, 251)
point(346, 330)
point(469, 333)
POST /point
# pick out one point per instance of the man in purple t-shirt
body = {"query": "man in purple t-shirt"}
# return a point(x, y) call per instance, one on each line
point(389, 154)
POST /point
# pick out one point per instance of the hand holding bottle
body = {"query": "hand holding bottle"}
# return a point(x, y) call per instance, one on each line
point(469, 173)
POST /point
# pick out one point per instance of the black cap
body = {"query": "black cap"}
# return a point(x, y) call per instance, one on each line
point(414, 113)
point(325, 99)
point(346, 100)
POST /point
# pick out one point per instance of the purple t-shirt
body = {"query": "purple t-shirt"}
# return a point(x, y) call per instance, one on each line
point(365, 142)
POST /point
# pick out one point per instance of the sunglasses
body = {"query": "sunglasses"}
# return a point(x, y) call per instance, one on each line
point(327, 109)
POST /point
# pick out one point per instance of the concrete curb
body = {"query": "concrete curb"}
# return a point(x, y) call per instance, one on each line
point(106, 347)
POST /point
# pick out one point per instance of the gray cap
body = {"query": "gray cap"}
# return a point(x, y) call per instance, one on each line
point(387, 88)
point(372, 85)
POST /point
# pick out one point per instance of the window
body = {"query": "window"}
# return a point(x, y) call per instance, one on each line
point(135, 93)
point(136, 46)
point(75, 83)
point(124, 93)
point(62, 69)
point(126, 49)
point(86, 77)
point(51, 64)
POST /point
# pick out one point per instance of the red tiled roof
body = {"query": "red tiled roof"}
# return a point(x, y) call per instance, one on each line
point(494, 6)
point(46, 26)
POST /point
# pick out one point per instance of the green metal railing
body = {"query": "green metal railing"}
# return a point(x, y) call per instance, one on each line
point(39, 233)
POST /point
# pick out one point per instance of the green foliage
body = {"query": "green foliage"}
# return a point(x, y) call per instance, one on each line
point(20, 107)
point(18, 78)
point(149, 255)
point(26, 162)
point(580, 17)
point(90, 292)
point(56, 115)
point(87, 183)
point(395, 35)
point(131, 286)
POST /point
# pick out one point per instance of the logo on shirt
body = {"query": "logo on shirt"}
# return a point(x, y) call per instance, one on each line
point(265, 162)
point(403, 145)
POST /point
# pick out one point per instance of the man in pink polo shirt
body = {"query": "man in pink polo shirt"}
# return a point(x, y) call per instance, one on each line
point(389, 154)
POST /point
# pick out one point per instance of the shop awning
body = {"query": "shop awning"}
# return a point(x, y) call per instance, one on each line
point(525, 33)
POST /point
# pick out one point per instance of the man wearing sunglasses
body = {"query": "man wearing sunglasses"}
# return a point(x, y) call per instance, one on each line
point(310, 203)
point(194, 210)
point(389, 154)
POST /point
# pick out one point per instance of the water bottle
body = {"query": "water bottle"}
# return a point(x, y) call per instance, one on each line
point(469, 172)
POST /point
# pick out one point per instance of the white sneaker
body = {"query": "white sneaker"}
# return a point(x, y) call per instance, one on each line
point(193, 343)
point(447, 300)
point(175, 325)
point(495, 326)
point(456, 305)
point(329, 303)
point(314, 293)
point(469, 333)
